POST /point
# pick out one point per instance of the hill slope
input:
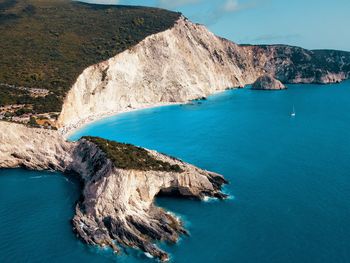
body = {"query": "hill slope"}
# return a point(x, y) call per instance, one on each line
point(46, 45)
point(297, 65)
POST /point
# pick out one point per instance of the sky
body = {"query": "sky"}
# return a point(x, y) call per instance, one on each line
point(312, 24)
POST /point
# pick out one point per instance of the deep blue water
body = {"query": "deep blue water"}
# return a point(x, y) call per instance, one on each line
point(290, 179)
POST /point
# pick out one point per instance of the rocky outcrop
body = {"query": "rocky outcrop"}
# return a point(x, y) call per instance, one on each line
point(31, 148)
point(188, 62)
point(268, 82)
point(117, 205)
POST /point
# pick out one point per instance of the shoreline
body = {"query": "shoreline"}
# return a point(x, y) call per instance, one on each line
point(69, 130)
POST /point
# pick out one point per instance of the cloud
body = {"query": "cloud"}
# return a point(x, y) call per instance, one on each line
point(173, 4)
point(269, 37)
point(227, 7)
point(223, 6)
point(230, 6)
point(170, 4)
point(218, 8)
point(102, 2)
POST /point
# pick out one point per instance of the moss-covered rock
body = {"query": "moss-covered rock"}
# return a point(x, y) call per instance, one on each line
point(127, 156)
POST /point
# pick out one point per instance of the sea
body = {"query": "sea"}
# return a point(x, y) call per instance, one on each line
point(289, 181)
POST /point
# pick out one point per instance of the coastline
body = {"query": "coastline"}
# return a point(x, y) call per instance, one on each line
point(69, 130)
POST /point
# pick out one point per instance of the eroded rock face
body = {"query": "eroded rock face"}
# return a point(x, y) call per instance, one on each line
point(31, 148)
point(180, 64)
point(268, 82)
point(117, 205)
point(188, 62)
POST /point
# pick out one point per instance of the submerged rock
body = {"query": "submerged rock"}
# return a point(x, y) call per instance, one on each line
point(117, 204)
point(268, 82)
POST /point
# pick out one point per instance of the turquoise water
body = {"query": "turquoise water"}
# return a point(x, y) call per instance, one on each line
point(290, 181)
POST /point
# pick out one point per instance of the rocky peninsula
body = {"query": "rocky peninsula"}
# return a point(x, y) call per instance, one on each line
point(120, 183)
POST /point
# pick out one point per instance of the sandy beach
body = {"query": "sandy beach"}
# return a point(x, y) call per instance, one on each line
point(68, 130)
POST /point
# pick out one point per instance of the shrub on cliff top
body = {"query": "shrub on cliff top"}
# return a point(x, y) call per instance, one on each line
point(127, 156)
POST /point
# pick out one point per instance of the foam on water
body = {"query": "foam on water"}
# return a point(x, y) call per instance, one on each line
point(148, 255)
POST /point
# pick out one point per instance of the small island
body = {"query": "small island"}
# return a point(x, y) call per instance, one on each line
point(267, 82)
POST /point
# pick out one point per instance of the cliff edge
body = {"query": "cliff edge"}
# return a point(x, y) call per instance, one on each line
point(187, 62)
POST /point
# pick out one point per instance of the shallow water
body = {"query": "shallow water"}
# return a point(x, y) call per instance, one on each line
point(290, 179)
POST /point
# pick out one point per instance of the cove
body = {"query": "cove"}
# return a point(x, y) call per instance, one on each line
point(290, 181)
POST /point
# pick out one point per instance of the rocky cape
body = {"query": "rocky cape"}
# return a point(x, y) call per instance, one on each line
point(117, 207)
point(188, 62)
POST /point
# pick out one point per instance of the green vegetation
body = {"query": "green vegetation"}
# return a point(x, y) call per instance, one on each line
point(32, 122)
point(10, 96)
point(127, 156)
point(47, 43)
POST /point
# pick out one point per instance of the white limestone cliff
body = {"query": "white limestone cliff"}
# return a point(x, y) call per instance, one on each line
point(187, 62)
point(180, 64)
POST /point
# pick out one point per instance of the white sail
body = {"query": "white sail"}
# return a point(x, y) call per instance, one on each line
point(293, 112)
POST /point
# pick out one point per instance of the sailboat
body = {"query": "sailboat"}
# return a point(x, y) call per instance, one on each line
point(293, 112)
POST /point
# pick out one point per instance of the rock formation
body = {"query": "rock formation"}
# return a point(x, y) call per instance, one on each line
point(36, 149)
point(117, 205)
point(268, 82)
point(188, 62)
